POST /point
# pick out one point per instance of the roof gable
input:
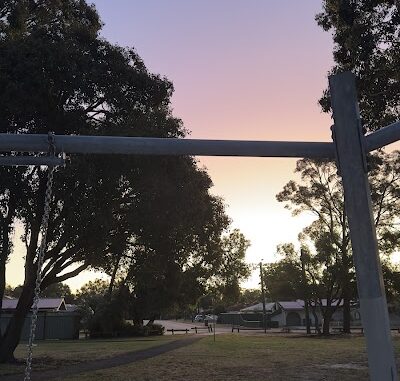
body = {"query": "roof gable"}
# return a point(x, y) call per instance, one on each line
point(292, 305)
point(49, 304)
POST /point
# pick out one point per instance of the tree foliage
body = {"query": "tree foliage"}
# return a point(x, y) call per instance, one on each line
point(320, 192)
point(283, 279)
point(154, 216)
point(248, 297)
point(366, 34)
point(232, 268)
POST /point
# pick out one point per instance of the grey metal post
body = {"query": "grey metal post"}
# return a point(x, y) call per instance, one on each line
point(351, 162)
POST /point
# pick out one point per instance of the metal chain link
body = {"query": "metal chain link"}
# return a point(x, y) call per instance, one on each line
point(40, 260)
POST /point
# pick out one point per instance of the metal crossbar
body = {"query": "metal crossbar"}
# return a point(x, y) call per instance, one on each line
point(384, 136)
point(75, 144)
point(164, 146)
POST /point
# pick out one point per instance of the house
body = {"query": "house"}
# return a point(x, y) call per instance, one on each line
point(44, 304)
point(281, 313)
point(292, 314)
point(278, 314)
point(56, 319)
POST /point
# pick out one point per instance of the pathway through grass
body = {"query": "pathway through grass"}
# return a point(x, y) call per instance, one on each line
point(54, 354)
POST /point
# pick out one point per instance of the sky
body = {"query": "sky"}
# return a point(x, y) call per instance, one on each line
point(248, 70)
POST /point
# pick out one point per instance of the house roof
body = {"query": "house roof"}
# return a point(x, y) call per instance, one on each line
point(259, 307)
point(286, 305)
point(299, 304)
point(292, 305)
point(53, 304)
point(333, 302)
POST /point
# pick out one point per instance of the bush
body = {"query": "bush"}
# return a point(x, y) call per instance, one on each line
point(128, 330)
point(142, 330)
point(156, 329)
point(106, 321)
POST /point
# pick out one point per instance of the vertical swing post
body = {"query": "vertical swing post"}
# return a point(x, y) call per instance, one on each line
point(352, 166)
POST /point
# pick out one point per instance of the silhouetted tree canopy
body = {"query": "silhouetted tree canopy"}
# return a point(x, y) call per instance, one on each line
point(153, 215)
point(366, 34)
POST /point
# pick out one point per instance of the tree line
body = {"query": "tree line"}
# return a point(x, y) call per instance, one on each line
point(151, 223)
point(366, 42)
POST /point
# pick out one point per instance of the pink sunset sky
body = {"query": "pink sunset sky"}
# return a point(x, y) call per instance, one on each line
point(250, 70)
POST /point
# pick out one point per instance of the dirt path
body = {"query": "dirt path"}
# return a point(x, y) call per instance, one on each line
point(123, 359)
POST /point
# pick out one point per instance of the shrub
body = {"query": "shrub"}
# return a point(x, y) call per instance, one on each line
point(156, 329)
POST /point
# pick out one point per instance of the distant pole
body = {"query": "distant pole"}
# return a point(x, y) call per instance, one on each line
point(351, 161)
point(214, 318)
point(305, 288)
point(263, 297)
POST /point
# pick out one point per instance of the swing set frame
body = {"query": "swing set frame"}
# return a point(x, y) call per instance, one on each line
point(349, 149)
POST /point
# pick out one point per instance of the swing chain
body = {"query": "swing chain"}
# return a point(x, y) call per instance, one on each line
point(40, 260)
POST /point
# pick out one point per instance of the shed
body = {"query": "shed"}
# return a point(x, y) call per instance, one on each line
point(54, 320)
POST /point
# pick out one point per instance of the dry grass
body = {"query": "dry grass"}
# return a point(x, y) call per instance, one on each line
point(252, 357)
point(54, 354)
point(232, 357)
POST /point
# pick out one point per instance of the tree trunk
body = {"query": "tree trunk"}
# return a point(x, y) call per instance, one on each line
point(346, 295)
point(3, 260)
point(152, 318)
point(327, 316)
point(346, 313)
point(325, 326)
point(316, 320)
point(12, 335)
point(113, 275)
point(137, 321)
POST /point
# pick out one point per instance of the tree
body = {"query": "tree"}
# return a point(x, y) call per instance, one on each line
point(320, 193)
point(167, 265)
point(283, 278)
point(249, 297)
point(55, 290)
point(366, 37)
point(391, 275)
point(319, 288)
point(92, 293)
point(58, 290)
point(232, 269)
point(59, 75)
point(90, 298)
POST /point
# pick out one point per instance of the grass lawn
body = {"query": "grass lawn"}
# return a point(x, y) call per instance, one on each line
point(250, 357)
point(52, 354)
